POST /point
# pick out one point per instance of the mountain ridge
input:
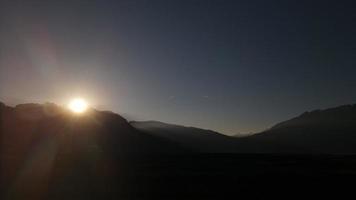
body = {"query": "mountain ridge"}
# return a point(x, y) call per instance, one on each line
point(330, 131)
point(201, 140)
point(342, 112)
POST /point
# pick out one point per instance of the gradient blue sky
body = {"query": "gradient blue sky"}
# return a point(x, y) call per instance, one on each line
point(230, 66)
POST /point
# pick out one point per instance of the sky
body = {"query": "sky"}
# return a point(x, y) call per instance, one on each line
point(226, 65)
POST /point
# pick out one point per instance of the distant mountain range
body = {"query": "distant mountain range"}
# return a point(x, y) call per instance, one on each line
point(198, 140)
point(47, 152)
point(321, 131)
point(330, 131)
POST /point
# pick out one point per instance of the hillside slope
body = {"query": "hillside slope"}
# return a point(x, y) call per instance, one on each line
point(200, 140)
point(321, 131)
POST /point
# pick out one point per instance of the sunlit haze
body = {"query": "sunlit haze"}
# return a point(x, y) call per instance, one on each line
point(78, 105)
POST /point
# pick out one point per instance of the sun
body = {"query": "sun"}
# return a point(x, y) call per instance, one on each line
point(78, 105)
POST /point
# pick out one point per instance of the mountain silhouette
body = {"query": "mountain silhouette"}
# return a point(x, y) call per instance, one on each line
point(45, 143)
point(198, 140)
point(26, 124)
point(47, 152)
point(329, 131)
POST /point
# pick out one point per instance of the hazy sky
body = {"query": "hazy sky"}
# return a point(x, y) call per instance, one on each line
point(231, 66)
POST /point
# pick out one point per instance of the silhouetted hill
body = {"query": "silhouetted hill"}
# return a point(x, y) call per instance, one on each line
point(47, 152)
point(41, 142)
point(31, 122)
point(321, 131)
point(199, 140)
point(205, 141)
point(330, 131)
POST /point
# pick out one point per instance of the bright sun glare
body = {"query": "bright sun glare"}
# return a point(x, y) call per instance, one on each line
point(78, 105)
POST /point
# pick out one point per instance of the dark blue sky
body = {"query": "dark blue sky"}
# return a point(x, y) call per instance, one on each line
point(230, 66)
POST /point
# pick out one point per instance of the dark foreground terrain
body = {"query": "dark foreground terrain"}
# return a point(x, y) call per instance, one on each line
point(47, 152)
point(223, 176)
point(205, 176)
